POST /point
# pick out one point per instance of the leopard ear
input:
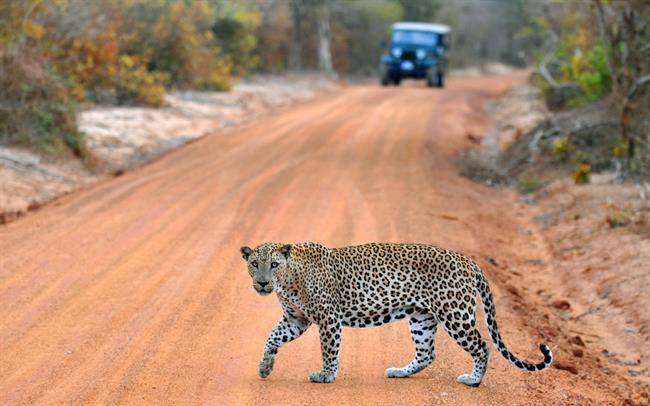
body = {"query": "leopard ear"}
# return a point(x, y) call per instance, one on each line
point(245, 252)
point(286, 250)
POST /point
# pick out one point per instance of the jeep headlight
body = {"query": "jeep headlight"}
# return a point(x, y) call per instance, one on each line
point(421, 54)
point(396, 52)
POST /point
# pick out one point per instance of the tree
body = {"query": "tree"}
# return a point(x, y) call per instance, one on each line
point(625, 35)
point(360, 29)
point(322, 12)
point(295, 50)
point(420, 10)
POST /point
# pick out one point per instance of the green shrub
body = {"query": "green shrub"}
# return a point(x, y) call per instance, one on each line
point(588, 69)
point(578, 60)
point(593, 76)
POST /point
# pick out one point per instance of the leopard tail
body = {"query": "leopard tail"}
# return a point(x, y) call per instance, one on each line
point(493, 329)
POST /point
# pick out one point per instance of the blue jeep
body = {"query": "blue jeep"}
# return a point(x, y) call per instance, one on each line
point(418, 51)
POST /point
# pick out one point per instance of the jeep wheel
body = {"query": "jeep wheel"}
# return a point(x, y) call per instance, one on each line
point(396, 81)
point(440, 79)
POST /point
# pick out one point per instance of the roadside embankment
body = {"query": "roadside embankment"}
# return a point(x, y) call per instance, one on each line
point(124, 137)
point(596, 233)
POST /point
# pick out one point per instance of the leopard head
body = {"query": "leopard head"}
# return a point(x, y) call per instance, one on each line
point(264, 262)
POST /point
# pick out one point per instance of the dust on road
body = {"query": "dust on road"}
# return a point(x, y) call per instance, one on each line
point(133, 291)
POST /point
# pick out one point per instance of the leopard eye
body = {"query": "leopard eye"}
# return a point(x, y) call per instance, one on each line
point(274, 264)
point(254, 263)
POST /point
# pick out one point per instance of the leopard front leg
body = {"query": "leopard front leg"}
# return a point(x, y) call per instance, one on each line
point(284, 332)
point(423, 334)
point(330, 344)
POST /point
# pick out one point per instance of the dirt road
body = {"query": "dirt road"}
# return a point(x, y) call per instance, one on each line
point(133, 291)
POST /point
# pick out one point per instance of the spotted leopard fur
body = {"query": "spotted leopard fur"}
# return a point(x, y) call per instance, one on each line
point(371, 285)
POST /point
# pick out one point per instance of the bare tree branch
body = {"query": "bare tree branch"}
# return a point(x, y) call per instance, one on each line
point(543, 70)
point(637, 85)
point(644, 49)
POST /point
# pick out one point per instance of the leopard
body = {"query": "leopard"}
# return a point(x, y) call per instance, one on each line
point(374, 284)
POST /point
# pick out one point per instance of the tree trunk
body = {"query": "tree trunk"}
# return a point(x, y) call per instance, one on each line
point(295, 52)
point(628, 113)
point(323, 31)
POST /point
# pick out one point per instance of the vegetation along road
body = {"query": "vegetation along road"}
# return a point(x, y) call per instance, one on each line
point(134, 291)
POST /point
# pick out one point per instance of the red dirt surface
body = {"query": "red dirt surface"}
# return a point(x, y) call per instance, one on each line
point(600, 238)
point(133, 291)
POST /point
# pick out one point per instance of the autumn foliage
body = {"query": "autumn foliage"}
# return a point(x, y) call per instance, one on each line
point(57, 54)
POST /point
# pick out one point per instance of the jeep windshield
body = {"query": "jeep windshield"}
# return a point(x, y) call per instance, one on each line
point(418, 38)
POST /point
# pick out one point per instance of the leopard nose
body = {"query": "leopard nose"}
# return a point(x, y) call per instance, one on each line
point(263, 284)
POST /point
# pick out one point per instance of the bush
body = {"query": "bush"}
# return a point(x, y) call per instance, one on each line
point(235, 35)
point(35, 109)
point(582, 174)
point(218, 79)
point(581, 67)
point(135, 83)
point(560, 147)
point(619, 218)
point(589, 71)
point(178, 39)
point(594, 79)
point(620, 149)
point(55, 55)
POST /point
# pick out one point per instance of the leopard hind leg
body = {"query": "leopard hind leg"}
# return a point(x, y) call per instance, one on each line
point(465, 333)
